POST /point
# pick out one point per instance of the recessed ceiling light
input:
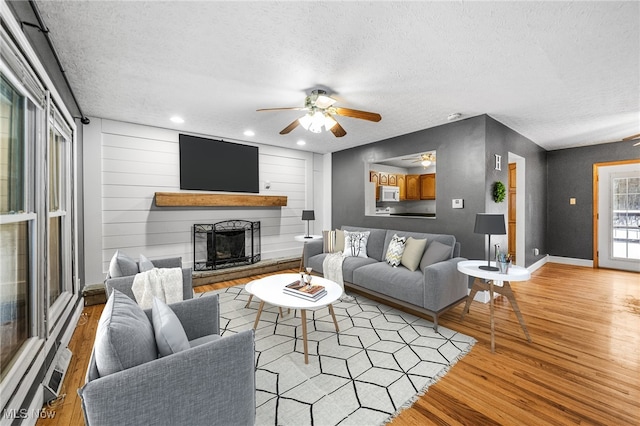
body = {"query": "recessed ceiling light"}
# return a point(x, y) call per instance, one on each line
point(249, 133)
point(301, 142)
point(177, 119)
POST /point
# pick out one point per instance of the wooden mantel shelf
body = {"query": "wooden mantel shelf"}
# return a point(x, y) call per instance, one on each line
point(195, 199)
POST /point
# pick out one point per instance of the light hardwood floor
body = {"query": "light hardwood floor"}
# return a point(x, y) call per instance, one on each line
point(583, 366)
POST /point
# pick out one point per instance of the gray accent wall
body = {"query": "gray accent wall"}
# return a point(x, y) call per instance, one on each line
point(465, 157)
point(570, 175)
point(502, 140)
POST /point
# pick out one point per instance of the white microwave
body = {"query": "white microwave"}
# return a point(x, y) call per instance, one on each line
point(389, 193)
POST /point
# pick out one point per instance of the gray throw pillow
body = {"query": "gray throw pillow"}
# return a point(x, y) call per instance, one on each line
point(145, 264)
point(122, 265)
point(124, 337)
point(170, 335)
point(413, 251)
point(436, 252)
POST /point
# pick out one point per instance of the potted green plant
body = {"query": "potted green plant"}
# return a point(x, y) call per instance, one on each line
point(499, 192)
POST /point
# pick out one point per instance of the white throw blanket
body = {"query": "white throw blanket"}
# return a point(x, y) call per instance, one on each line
point(163, 283)
point(332, 270)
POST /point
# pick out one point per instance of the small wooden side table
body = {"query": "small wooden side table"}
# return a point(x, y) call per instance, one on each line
point(515, 273)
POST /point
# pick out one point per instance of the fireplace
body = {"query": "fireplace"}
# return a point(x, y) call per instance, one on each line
point(225, 244)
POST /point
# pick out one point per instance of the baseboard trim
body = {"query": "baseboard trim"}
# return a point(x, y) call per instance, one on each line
point(539, 264)
point(571, 261)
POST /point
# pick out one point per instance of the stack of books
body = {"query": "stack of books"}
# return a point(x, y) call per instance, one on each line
point(303, 291)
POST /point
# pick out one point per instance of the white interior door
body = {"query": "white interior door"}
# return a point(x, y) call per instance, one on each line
point(619, 217)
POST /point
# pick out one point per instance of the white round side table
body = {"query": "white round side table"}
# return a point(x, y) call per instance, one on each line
point(515, 273)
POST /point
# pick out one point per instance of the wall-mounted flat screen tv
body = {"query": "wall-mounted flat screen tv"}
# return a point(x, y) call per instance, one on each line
point(215, 165)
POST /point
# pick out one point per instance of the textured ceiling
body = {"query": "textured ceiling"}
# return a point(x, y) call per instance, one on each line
point(562, 74)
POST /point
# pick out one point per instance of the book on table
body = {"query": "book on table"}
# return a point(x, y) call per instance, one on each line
point(299, 289)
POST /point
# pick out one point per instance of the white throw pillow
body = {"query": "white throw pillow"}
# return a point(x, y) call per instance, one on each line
point(170, 335)
point(395, 250)
point(355, 244)
point(413, 251)
point(145, 264)
point(339, 240)
point(122, 265)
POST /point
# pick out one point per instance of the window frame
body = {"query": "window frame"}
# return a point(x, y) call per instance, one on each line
point(21, 67)
point(55, 123)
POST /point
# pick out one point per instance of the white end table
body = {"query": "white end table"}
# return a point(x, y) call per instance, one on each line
point(516, 273)
point(270, 290)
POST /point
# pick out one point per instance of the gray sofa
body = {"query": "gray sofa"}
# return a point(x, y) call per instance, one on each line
point(433, 289)
point(210, 383)
point(124, 284)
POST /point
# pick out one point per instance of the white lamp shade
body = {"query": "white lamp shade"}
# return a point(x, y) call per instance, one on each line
point(305, 121)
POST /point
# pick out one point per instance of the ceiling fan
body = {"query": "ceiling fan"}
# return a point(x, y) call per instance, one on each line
point(633, 138)
point(425, 160)
point(321, 113)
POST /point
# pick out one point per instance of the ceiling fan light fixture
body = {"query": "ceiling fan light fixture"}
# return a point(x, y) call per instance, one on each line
point(329, 122)
point(305, 121)
point(317, 121)
point(425, 163)
point(323, 101)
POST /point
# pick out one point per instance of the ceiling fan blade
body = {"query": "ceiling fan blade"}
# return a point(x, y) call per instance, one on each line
point(338, 131)
point(632, 137)
point(354, 113)
point(282, 109)
point(290, 127)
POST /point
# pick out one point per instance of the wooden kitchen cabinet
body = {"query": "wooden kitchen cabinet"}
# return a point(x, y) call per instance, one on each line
point(428, 186)
point(375, 178)
point(413, 187)
point(401, 181)
point(384, 178)
point(392, 180)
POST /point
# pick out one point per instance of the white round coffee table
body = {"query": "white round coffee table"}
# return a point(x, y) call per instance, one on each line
point(270, 290)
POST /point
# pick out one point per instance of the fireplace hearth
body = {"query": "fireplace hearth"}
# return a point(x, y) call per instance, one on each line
point(225, 244)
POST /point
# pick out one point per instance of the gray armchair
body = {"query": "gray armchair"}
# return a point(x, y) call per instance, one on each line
point(124, 284)
point(209, 384)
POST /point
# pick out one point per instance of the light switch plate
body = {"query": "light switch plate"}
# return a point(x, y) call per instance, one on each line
point(457, 203)
point(572, 201)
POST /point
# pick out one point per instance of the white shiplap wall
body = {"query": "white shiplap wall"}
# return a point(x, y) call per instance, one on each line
point(137, 161)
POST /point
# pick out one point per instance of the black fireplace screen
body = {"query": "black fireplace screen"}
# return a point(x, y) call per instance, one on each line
point(225, 244)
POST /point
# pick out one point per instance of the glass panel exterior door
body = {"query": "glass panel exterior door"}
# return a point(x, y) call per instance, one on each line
point(618, 217)
point(625, 227)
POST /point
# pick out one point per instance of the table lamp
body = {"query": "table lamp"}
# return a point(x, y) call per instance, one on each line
point(489, 224)
point(308, 215)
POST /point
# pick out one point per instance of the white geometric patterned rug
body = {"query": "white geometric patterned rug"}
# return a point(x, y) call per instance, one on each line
point(382, 360)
